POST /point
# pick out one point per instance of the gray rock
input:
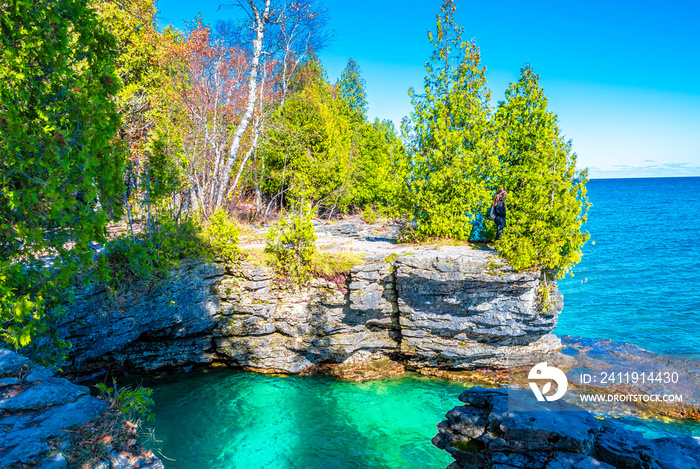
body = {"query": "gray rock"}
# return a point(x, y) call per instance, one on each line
point(457, 311)
point(104, 329)
point(38, 373)
point(28, 451)
point(456, 308)
point(45, 410)
point(11, 361)
point(551, 426)
point(624, 448)
point(488, 433)
point(25, 436)
point(345, 230)
point(576, 461)
point(121, 461)
point(672, 453)
point(51, 392)
point(8, 382)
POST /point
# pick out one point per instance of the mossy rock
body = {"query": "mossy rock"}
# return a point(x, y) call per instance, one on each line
point(470, 446)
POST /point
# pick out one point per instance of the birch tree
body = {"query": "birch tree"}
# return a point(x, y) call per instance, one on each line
point(260, 15)
point(297, 28)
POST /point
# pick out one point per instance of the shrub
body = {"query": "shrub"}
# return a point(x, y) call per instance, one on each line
point(221, 235)
point(149, 257)
point(370, 215)
point(330, 265)
point(292, 244)
point(134, 404)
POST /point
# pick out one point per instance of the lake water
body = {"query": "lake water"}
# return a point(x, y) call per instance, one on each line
point(639, 279)
point(639, 282)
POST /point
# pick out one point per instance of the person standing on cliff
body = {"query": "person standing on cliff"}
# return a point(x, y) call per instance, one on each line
point(499, 209)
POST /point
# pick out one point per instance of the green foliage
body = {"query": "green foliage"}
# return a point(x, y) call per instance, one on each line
point(449, 137)
point(307, 150)
point(134, 404)
point(459, 154)
point(543, 297)
point(369, 215)
point(547, 202)
point(292, 243)
point(151, 257)
point(321, 150)
point(60, 174)
point(137, 62)
point(221, 235)
point(390, 258)
point(351, 88)
point(378, 167)
point(332, 264)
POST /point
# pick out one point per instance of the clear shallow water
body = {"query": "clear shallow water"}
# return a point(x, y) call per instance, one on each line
point(643, 287)
point(222, 419)
point(639, 279)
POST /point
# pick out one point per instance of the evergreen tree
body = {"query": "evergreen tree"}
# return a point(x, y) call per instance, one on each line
point(351, 88)
point(377, 166)
point(60, 173)
point(448, 136)
point(547, 202)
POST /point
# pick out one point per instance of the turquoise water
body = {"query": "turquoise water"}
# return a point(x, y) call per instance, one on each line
point(638, 283)
point(639, 279)
point(222, 419)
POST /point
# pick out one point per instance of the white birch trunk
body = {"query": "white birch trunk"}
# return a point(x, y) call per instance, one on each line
point(260, 23)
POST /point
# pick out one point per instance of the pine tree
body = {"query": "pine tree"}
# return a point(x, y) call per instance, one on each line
point(351, 88)
point(60, 174)
point(547, 202)
point(449, 137)
point(377, 168)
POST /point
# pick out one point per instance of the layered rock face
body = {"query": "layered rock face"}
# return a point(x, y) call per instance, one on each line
point(467, 311)
point(485, 433)
point(453, 308)
point(268, 326)
point(146, 328)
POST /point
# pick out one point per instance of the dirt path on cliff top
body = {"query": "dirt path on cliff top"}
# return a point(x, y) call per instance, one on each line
point(375, 240)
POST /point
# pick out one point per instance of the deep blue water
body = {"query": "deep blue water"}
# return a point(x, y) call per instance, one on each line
point(639, 279)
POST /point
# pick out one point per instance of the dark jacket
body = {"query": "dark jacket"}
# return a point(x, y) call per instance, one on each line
point(500, 209)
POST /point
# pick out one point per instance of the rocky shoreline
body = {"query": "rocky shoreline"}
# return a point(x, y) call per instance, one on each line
point(449, 311)
point(37, 410)
point(487, 433)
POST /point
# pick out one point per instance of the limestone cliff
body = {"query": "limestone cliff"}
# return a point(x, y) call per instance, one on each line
point(444, 307)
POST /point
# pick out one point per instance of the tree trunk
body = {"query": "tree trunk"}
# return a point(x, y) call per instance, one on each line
point(260, 23)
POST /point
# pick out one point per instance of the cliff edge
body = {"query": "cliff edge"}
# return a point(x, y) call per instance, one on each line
point(445, 307)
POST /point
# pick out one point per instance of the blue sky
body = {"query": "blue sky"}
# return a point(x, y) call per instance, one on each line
point(623, 76)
